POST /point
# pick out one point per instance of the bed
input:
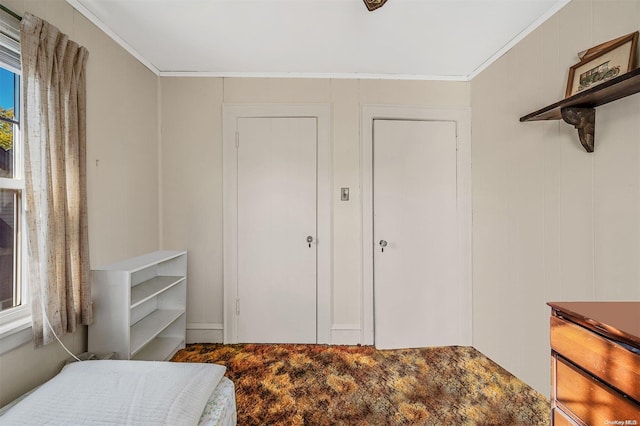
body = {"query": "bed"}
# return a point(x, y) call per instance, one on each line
point(128, 393)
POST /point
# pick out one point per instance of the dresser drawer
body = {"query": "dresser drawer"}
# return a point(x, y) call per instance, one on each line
point(561, 419)
point(589, 400)
point(601, 357)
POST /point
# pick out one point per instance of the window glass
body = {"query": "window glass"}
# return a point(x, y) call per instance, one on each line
point(8, 93)
point(7, 121)
point(10, 294)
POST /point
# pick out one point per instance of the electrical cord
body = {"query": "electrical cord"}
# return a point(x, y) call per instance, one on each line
point(46, 317)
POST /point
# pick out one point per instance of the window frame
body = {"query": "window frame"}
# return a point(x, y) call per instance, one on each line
point(15, 322)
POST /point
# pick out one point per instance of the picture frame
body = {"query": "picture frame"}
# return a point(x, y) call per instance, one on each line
point(602, 63)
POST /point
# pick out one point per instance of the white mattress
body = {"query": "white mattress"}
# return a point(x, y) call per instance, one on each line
point(137, 381)
point(221, 406)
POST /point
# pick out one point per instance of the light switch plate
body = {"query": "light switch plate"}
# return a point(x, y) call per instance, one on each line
point(344, 194)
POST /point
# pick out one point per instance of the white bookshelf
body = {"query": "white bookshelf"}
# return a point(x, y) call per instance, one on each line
point(139, 306)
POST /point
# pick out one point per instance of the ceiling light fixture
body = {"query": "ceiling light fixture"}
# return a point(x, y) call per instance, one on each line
point(374, 4)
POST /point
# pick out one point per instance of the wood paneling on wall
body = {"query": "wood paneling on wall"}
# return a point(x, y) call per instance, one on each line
point(550, 221)
point(192, 185)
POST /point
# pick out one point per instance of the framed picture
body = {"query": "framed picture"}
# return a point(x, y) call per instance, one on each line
point(601, 63)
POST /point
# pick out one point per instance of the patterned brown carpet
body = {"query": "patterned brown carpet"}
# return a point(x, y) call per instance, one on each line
point(359, 385)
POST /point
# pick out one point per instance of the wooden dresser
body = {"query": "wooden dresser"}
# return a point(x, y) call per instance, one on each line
point(595, 363)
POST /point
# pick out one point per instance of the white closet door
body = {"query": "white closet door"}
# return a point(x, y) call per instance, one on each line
point(276, 216)
point(416, 292)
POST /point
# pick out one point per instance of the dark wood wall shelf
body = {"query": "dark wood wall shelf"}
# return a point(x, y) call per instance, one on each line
point(579, 109)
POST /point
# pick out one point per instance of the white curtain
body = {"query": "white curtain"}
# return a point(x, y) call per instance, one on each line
point(54, 99)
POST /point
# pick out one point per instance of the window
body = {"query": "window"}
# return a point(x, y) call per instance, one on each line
point(10, 191)
point(14, 309)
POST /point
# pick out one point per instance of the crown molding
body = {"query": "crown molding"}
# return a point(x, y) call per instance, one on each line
point(360, 76)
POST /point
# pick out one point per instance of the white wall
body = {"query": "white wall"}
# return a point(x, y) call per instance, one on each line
point(122, 136)
point(551, 222)
point(192, 177)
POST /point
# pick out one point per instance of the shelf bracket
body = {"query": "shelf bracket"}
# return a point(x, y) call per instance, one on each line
point(583, 119)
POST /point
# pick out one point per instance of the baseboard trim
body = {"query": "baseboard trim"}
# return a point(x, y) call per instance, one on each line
point(345, 334)
point(341, 334)
point(202, 332)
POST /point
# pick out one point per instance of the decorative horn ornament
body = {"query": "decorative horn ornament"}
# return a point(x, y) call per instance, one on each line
point(374, 4)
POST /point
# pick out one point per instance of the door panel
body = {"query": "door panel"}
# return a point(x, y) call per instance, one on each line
point(416, 292)
point(276, 212)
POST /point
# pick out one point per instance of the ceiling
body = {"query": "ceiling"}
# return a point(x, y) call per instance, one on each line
point(404, 39)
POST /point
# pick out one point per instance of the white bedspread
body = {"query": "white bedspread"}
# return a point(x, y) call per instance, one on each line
point(120, 392)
